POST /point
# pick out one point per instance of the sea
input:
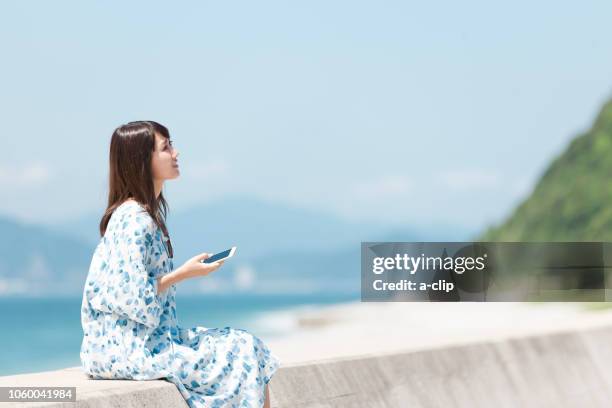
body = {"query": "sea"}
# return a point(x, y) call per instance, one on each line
point(40, 334)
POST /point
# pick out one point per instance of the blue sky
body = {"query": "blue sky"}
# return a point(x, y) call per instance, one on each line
point(410, 113)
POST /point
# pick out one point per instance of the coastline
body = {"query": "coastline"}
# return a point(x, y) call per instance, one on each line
point(355, 329)
point(317, 331)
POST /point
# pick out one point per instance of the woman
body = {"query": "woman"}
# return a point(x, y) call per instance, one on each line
point(129, 312)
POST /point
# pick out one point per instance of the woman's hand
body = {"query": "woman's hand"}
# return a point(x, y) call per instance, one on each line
point(193, 267)
point(190, 269)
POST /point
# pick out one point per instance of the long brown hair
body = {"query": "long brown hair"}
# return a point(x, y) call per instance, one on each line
point(130, 174)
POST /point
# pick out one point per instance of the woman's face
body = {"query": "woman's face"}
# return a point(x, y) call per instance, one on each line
point(164, 159)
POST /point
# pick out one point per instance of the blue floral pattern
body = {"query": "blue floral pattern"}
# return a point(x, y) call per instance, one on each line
point(131, 332)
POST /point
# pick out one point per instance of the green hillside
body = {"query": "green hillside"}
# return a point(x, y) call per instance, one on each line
point(572, 201)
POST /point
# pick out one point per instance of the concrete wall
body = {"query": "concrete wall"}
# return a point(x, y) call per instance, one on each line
point(563, 369)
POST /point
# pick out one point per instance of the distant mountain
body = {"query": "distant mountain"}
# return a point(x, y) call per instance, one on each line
point(280, 249)
point(336, 271)
point(37, 260)
point(572, 201)
point(258, 228)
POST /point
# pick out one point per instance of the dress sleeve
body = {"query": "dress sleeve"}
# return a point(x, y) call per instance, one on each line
point(125, 285)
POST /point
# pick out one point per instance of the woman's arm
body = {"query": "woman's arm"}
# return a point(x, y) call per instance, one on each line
point(190, 269)
point(168, 280)
point(125, 287)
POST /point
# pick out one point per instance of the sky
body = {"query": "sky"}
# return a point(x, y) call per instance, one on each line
point(399, 112)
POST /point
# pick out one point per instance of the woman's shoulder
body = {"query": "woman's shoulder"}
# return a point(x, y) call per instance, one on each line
point(129, 205)
point(132, 215)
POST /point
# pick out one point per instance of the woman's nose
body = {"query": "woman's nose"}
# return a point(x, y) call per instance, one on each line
point(176, 153)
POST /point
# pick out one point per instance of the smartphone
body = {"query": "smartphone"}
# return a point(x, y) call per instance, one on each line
point(220, 256)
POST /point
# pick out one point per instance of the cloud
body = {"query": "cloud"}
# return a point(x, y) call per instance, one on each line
point(385, 187)
point(466, 180)
point(29, 175)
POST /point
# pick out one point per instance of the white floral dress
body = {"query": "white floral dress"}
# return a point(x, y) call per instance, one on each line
point(131, 332)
